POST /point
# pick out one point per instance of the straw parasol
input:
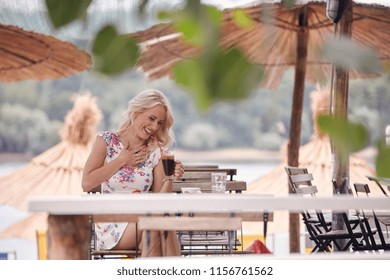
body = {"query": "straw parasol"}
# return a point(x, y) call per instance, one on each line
point(58, 170)
point(26, 228)
point(317, 158)
point(26, 55)
point(271, 41)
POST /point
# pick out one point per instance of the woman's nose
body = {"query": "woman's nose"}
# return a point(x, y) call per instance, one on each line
point(155, 126)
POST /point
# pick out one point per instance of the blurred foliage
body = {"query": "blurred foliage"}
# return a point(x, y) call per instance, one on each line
point(347, 136)
point(215, 74)
point(241, 18)
point(382, 162)
point(63, 12)
point(28, 131)
point(202, 136)
point(226, 76)
point(114, 53)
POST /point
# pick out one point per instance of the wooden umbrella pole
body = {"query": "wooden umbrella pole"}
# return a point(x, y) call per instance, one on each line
point(341, 168)
point(296, 117)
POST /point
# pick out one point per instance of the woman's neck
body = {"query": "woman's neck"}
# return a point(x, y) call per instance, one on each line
point(129, 138)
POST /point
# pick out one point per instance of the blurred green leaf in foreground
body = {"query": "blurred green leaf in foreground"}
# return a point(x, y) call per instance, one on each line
point(215, 74)
point(226, 76)
point(113, 53)
point(62, 12)
point(347, 136)
point(383, 160)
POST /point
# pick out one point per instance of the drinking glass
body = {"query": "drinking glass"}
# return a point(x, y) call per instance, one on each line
point(168, 161)
point(218, 182)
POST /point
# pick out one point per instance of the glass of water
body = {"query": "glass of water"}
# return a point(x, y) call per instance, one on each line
point(218, 182)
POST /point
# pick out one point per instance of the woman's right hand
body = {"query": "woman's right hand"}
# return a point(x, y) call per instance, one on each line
point(133, 156)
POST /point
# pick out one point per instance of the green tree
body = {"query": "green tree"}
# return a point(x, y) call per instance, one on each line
point(27, 131)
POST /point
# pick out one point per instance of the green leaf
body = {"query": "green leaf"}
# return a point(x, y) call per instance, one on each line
point(289, 3)
point(191, 30)
point(242, 19)
point(62, 12)
point(188, 73)
point(213, 15)
point(348, 137)
point(198, 23)
point(104, 36)
point(383, 160)
point(218, 76)
point(114, 53)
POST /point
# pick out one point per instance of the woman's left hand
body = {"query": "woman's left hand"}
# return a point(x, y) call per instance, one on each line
point(179, 169)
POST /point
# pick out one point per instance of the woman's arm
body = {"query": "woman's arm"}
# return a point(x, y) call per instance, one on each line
point(95, 170)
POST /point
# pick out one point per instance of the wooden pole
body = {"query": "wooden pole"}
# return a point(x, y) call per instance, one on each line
point(340, 168)
point(68, 237)
point(296, 118)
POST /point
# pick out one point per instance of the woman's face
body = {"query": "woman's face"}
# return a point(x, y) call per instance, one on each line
point(149, 121)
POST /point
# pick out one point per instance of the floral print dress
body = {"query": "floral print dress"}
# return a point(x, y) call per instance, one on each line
point(128, 179)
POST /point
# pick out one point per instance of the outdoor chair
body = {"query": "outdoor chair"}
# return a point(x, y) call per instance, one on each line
point(319, 224)
point(96, 254)
point(324, 241)
point(299, 177)
point(381, 183)
point(374, 237)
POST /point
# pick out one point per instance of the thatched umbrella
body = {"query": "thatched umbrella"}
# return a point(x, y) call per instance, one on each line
point(58, 170)
point(317, 158)
point(271, 42)
point(26, 55)
point(26, 228)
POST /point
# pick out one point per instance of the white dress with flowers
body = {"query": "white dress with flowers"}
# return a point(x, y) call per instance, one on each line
point(128, 180)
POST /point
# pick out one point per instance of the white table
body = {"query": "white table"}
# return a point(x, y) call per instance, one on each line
point(69, 230)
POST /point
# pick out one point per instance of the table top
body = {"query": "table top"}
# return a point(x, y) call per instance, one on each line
point(201, 203)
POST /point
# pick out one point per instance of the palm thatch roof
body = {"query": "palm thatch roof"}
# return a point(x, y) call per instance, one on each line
point(26, 228)
point(316, 156)
point(271, 41)
point(26, 55)
point(58, 170)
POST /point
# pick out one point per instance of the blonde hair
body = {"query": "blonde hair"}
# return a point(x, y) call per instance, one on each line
point(145, 100)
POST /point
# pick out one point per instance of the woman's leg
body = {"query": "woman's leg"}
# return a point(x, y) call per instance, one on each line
point(151, 244)
point(128, 239)
point(160, 243)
